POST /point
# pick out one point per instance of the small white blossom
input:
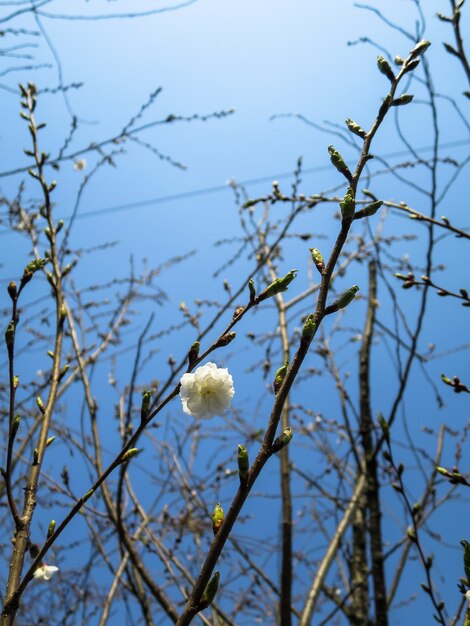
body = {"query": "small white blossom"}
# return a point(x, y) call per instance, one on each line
point(207, 392)
point(467, 595)
point(45, 572)
point(79, 165)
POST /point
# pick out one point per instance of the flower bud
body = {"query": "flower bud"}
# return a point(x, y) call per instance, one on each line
point(279, 378)
point(277, 286)
point(384, 68)
point(443, 471)
point(209, 592)
point(283, 440)
point(35, 456)
point(12, 290)
point(218, 517)
point(30, 269)
point(317, 258)
point(64, 371)
point(243, 463)
point(50, 440)
point(88, 495)
point(339, 163)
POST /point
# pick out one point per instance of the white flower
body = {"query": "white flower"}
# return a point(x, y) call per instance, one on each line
point(79, 165)
point(467, 595)
point(207, 392)
point(45, 572)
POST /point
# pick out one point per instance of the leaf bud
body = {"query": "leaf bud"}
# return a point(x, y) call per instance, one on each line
point(310, 325)
point(317, 258)
point(405, 98)
point(339, 163)
point(225, 340)
point(145, 406)
point(384, 427)
point(35, 456)
point(14, 426)
point(277, 286)
point(50, 440)
point(385, 69)
point(132, 452)
point(369, 210)
point(193, 353)
point(64, 371)
point(283, 440)
point(279, 378)
point(10, 334)
point(209, 592)
point(344, 299)
point(251, 287)
point(51, 529)
point(218, 517)
point(243, 463)
point(88, 495)
point(40, 404)
point(355, 128)
point(348, 205)
point(420, 49)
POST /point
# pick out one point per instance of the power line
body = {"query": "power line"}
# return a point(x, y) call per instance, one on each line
point(218, 188)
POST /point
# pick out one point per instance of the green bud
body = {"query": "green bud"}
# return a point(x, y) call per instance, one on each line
point(309, 328)
point(405, 98)
point(49, 441)
point(420, 49)
point(209, 592)
point(225, 339)
point(15, 425)
point(50, 354)
point(339, 163)
point(355, 128)
point(384, 68)
point(369, 210)
point(10, 334)
point(218, 517)
point(344, 299)
point(348, 205)
point(59, 227)
point(443, 471)
point(193, 353)
point(35, 456)
point(50, 530)
point(146, 397)
point(251, 287)
point(64, 371)
point(243, 463)
point(88, 495)
point(317, 258)
point(466, 558)
point(40, 404)
point(132, 452)
point(31, 268)
point(445, 379)
point(12, 291)
point(283, 440)
point(384, 427)
point(280, 375)
point(411, 534)
point(277, 286)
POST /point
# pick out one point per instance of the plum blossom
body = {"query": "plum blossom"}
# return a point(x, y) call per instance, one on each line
point(206, 392)
point(45, 572)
